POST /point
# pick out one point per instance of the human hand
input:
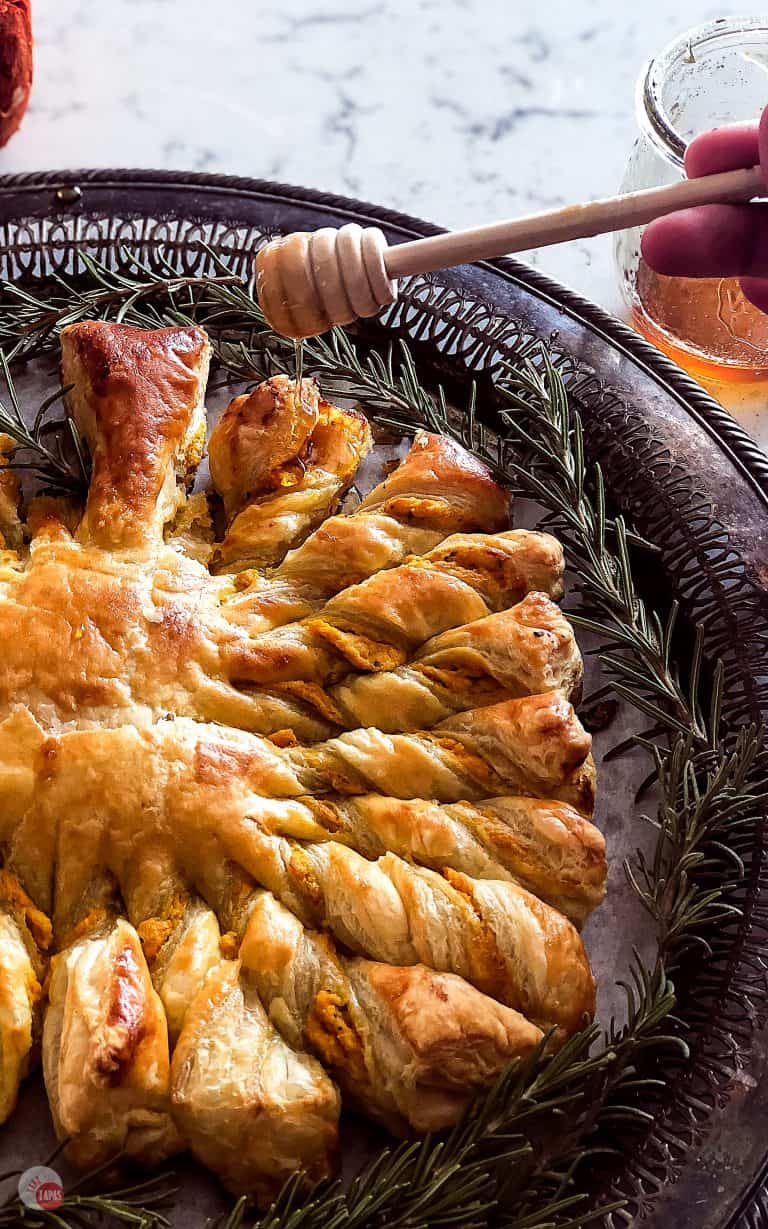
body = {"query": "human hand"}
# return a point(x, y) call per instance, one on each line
point(718, 240)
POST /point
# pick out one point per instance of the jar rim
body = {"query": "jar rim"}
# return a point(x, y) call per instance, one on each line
point(652, 115)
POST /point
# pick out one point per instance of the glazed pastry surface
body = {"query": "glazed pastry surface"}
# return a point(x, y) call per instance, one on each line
point(295, 806)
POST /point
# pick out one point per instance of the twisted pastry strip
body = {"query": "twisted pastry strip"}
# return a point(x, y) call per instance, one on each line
point(106, 1057)
point(535, 746)
point(377, 624)
point(25, 936)
point(179, 935)
point(181, 946)
point(438, 489)
point(442, 485)
point(105, 1053)
point(542, 845)
point(137, 398)
point(109, 631)
point(407, 1045)
point(259, 436)
point(105, 1047)
point(531, 746)
point(280, 457)
point(526, 650)
point(494, 934)
point(249, 1107)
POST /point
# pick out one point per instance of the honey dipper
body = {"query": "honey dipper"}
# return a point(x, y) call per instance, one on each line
point(309, 280)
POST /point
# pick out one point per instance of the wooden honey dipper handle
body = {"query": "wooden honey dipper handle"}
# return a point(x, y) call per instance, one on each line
point(311, 280)
point(571, 222)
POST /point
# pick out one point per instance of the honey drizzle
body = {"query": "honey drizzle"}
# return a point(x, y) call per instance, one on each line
point(298, 351)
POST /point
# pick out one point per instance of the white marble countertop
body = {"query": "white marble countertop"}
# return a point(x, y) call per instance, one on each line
point(458, 111)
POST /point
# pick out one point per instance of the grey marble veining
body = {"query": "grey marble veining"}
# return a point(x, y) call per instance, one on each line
point(455, 110)
point(459, 111)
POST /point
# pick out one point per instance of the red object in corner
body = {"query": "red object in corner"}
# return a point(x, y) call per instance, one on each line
point(15, 64)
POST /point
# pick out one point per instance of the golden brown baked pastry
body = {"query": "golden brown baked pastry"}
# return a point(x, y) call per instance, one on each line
point(534, 745)
point(105, 1050)
point(265, 801)
point(138, 401)
point(281, 458)
point(19, 995)
point(198, 798)
point(377, 624)
point(252, 1107)
point(407, 1045)
point(436, 490)
point(25, 937)
point(525, 650)
point(494, 934)
point(419, 917)
point(543, 845)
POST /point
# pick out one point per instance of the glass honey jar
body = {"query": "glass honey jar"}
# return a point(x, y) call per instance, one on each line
point(713, 75)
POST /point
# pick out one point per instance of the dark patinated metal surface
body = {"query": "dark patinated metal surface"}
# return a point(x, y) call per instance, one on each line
point(680, 468)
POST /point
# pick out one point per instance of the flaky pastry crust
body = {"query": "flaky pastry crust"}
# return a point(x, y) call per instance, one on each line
point(294, 802)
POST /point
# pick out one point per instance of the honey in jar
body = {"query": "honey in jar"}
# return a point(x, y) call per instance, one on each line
point(710, 76)
point(704, 324)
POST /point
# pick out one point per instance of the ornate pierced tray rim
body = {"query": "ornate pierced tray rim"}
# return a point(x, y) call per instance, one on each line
point(746, 455)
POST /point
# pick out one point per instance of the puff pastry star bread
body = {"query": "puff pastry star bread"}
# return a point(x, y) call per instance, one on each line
point(295, 807)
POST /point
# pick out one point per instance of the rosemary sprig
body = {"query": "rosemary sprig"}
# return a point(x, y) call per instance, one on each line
point(545, 454)
point(452, 1180)
point(141, 1206)
point(51, 448)
point(702, 797)
point(243, 344)
point(30, 323)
